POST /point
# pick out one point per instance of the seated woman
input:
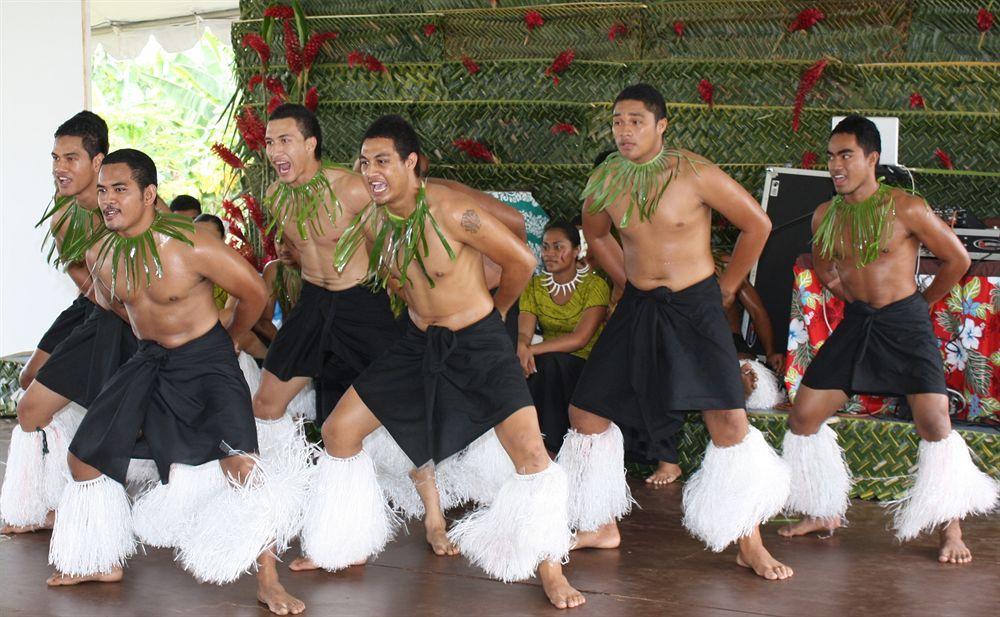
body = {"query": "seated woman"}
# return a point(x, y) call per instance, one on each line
point(570, 303)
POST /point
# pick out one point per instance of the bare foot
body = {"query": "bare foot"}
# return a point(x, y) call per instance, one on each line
point(304, 564)
point(811, 524)
point(50, 519)
point(665, 474)
point(953, 549)
point(277, 600)
point(58, 579)
point(560, 593)
point(606, 536)
point(437, 537)
point(753, 555)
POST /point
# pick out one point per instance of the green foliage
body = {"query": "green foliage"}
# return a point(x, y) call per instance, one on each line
point(170, 106)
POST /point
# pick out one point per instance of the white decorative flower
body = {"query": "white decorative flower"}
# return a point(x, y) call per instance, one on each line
point(797, 334)
point(956, 357)
point(970, 334)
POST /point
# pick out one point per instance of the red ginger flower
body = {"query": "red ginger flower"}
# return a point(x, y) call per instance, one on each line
point(256, 41)
point(254, 82)
point(470, 65)
point(430, 29)
point(374, 65)
point(311, 50)
point(560, 64)
point(564, 127)
point(355, 58)
point(273, 104)
point(706, 91)
point(232, 212)
point(944, 158)
point(254, 209)
point(312, 99)
point(806, 83)
point(533, 19)
point(275, 87)
point(474, 149)
point(984, 20)
point(806, 19)
point(293, 49)
point(809, 159)
point(679, 28)
point(279, 11)
point(251, 128)
point(617, 30)
point(228, 156)
point(916, 101)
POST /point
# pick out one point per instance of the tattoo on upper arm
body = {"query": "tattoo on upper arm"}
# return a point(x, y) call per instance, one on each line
point(470, 221)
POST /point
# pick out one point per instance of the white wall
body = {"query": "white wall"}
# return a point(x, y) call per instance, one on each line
point(41, 85)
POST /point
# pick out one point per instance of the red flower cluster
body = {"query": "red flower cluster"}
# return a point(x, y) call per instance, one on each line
point(706, 91)
point(293, 48)
point(806, 83)
point(254, 209)
point(475, 149)
point(809, 159)
point(368, 61)
point(944, 158)
point(275, 87)
point(254, 82)
point(564, 127)
point(232, 213)
point(311, 50)
point(251, 128)
point(806, 19)
point(679, 28)
point(560, 64)
point(279, 11)
point(470, 65)
point(617, 30)
point(228, 156)
point(312, 99)
point(256, 41)
point(273, 104)
point(916, 101)
point(430, 29)
point(984, 20)
point(533, 19)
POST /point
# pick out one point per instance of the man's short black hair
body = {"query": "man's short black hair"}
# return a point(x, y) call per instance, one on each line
point(572, 233)
point(90, 128)
point(185, 203)
point(211, 218)
point(649, 96)
point(863, 129)
point(143, 168)
point(306, 121)
point(404, 138)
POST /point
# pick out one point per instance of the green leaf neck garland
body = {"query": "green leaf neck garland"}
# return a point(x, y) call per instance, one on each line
point(75, 223)
point(398, 241)
point(305, 204)
point(140, 253)
point(644, 183)
point(860, 229)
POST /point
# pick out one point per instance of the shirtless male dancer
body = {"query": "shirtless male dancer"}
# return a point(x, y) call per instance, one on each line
point(450, 378)
point(667, 347)
point(89, 342)
point(182, 394)
point(865, 245)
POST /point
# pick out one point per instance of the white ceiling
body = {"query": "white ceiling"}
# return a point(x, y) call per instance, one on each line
point(124, 27)
point(104, 11)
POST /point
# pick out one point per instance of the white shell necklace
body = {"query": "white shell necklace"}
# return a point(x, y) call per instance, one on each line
point(554, 288)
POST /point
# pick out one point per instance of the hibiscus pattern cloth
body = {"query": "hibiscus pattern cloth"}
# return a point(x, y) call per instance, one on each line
point(966, 322)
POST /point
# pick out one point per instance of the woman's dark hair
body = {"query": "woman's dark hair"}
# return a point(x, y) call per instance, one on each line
point(567, 228)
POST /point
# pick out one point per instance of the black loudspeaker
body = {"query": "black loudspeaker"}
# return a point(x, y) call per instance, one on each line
point(790, 197)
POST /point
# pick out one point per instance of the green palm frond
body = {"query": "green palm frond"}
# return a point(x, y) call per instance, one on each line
point(859, 229)
point(139, 254)
point(75, 223)
point(304, 204)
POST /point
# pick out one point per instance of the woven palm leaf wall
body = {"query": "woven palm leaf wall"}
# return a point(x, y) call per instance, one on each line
point(879, 52)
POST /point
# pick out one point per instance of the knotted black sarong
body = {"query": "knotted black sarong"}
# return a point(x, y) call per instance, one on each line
point(438, 391)
point(81, 365)
point(331, 336)
point(187, 405)
point(71, 317)
point(889, 351)
point(661, 355)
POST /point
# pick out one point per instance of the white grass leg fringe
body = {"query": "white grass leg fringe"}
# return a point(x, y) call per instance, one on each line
point(141, 476)
point(527, 523)
point(768, 394)
point(251, 372)
point(595, 467)
point(347, 519)
point(59, 433)
point(304, 404)
point(93, 530)
point(476, 473)
point(393, 467)
point(735, 489)
point(241, 521)
point(164, 514)
point(273, 435)
point(948, 486)
point(820, 478)
point(22, 497)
